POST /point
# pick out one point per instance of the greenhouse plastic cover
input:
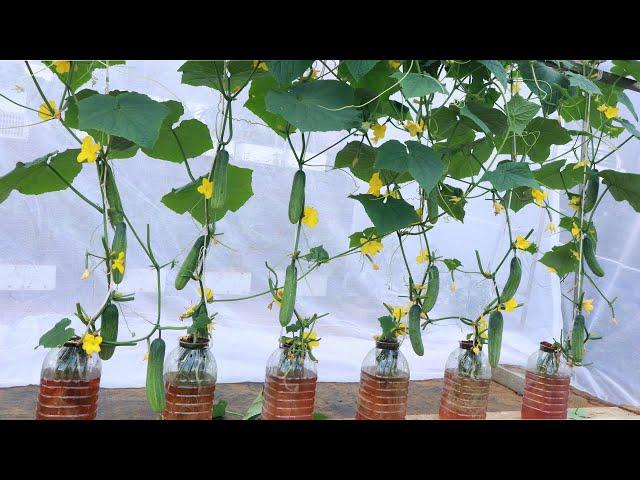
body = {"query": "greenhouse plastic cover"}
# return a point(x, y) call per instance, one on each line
point(43, 240)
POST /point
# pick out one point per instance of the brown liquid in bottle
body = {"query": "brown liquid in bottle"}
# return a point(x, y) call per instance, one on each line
point(188, 401)
point(289, 398)
point(67, 399)
point(382, 398)
point(463, 398)
point(545, 397)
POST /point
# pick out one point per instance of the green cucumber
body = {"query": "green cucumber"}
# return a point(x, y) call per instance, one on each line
point(433, 288)
point(189, 264)
point(432, 205)
point(577, 338)
point(296, 200)
point(589, 250)
point(114, 204)
point(289, 297)
point(220, 179)
point(513, 281)
point(495, 337)
point(591, 191)
point(119, 245)
point(108, 331)
point(154, 384)
point(414, 330)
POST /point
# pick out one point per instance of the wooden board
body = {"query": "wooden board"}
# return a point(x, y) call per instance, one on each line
point(585, 413)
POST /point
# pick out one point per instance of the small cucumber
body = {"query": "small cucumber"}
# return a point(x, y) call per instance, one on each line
point(433, 288)
point(513, 281)
point(189, 264)
point(432, 205)
point(296, 200)
point(289, 297)
point(495, 337)
point(414, 330)
point(108, 331)
point(577, 338)
point(220, 179)
point(119, 245)
point(114, 204)
point(154, 384)
point(591, 191)
point(588, 247)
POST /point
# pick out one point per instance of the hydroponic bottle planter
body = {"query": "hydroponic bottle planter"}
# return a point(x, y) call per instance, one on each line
point(546, 387)
point(384, 384)
point(190, 375)
point(69, 384)
point(467, 378)
point(289, 387)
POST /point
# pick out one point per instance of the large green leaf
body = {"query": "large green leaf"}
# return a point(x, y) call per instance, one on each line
point(130, 115)
point(623, 186)
point(368, 234)
point(583, 83)
point(489, 120)
point(495, 67)
point(508, 175)
point(359, 68)
point(517, 198)
point(561, 259)
point(256, 104)
point(188, 199)
point(627, 68)
point(442, 122)
point(418, 85)
point(35, 177)
point(549, 85)
point(451, 200)
point(320, 106)
point(58, 335)
point(630, 127)
point(389, 214)
point(537, 139)
point(81, 71)
point(554, 176)
point(286, 71)
point(189, 139)
point(204, 73)
point(392, 155)
point(465, 160)
point(357, 157)
point(519, 113)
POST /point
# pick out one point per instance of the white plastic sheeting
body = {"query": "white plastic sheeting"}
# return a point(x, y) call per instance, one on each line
point(43, 240)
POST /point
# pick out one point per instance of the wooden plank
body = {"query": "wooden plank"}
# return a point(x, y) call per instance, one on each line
point(586, 413)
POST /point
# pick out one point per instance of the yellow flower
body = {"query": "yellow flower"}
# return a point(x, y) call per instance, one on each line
point(476, 349)
point(118, 263)
point(206, 188)
point(609, 112)
point(375, 184)
point(551, 270)
point(45, 114)
point(575, 254)
point(497, 208)
point(311, 338)
point(378, 132)
point(455, 200)
point(575, 231)
point(62, 66)
point(394, 194)
point(208, 293)
point(399, 312)
point(551, 228)
point(574, 202)
point(522, 243)
point(482, 327)
point(418, 286)
point(453, 287)
point(581, 163)
point(538, 196)
point(189, 311)
point(85, 274)
point(587, 305)
point(370, 247)
point(509, 306)
point(279, 295)
point(395, 64)
point(89, 150)
point(401, 329)
point(375, 266)
point(414, 128)
point(423, 256)
point(310, 217)
point(91, 343)
point(516, 85)
point(261, 65)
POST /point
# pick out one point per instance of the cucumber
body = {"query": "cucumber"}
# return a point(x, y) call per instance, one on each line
point(414, 330)
point(513, 281)
point(289, 297)
point(119, 245)
point(432, 205)
point(296, 200)
point(154, 386)
point(220, 180)
point(588, 248)
point(108, 331)
point(577, 338)
point(189, 264)
point(495, 337)
point(114, 204)
point(433, 288)
point(591, 191)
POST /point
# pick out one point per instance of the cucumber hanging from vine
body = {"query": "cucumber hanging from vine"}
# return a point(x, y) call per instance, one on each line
point(297, 198)
point(433, 288)
point(289, 295)
point(414, 329)
point(578, 338)
point(588, 247)
point(591, 191)
point(495, 337)
point(513, 281)
point(108, 331)
point(154, 384)
point(219, 179)
point(190, 264)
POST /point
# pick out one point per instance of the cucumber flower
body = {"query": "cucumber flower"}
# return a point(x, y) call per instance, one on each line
point(414, 128)
point(206, 188)
point(575, 231)
point(260, 65)
point(423, 256)
point(208, 293)
point(539, 196)
point(609, 112)
point(375, 185)
point(118, 263)
point(91, 343)
point(395, 64)
point(482, 327)
point(522, 243)
point(587, 305)
point(62, 66)
point(310, 217)
point(45, 113)
point(401, 329)
point(370, 247)
point(551, 228)
point(89, 150)
point(581, 163)
point(85, 274)
point(497, 208)
point(311, 339)
point(574, 202)
point(509, 306)
point(379, 132)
